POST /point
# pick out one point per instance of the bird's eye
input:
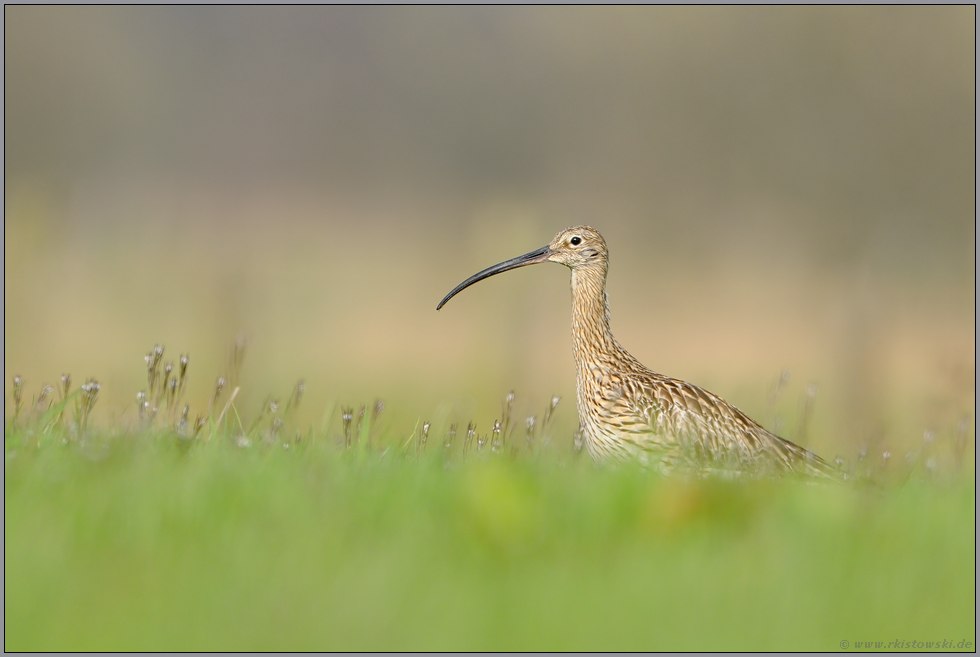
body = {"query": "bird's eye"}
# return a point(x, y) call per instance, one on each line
point(575, 241)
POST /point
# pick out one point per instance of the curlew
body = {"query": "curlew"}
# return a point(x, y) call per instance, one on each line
point(627, 411)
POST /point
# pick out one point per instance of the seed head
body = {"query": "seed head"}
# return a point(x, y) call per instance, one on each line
point(508, 405)
point(18, 388)
point(531, 422)
point(184, 360)
point(347, 415)
point(43, 396)
point(549, 412)
point(90, 392)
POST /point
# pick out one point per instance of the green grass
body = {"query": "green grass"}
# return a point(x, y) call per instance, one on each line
point(144, 541)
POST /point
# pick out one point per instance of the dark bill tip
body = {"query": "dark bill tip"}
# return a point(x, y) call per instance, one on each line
point(532, 258)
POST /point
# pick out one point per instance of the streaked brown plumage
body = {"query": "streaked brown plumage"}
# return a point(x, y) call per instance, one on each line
point(628, 411)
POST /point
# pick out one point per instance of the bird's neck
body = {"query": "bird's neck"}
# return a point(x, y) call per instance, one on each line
point(592, 339)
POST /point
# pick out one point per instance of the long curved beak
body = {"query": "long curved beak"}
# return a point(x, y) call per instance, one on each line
point(532, 258)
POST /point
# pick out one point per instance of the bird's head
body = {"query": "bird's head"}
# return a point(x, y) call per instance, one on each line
point(578, 246)
point(575, 247)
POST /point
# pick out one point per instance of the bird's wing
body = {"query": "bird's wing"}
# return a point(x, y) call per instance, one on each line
point(704, 430)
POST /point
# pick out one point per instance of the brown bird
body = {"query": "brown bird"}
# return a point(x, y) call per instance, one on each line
point(627, 411)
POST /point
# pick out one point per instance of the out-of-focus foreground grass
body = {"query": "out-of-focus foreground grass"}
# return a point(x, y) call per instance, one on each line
point(148, 541)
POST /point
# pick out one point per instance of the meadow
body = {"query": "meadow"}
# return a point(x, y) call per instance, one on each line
point(166, 532)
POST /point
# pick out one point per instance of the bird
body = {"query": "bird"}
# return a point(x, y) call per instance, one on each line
point(628, 412)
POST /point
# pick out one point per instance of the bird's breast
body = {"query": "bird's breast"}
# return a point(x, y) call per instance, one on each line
point(615, 422)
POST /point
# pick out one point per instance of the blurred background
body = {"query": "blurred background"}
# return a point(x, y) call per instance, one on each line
point(787, 193)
